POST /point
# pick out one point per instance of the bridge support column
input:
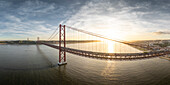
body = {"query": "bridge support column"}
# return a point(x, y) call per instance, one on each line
point(62, 38)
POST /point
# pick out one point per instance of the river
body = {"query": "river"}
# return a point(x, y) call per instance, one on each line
point(37, 65)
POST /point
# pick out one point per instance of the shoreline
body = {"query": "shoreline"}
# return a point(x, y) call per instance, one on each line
point(3, 43)
point(167, 57)
point(141, 49)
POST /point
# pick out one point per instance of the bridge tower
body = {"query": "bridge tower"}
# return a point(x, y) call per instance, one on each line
point(62, 38)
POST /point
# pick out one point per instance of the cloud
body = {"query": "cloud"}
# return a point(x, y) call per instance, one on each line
point(13, 18)
point(26, 28)
point(125, 19)
point(31, 18)
point(103, 17)
point(161, 33)
point(36, 8)
point(119, 17)
point(4, 4)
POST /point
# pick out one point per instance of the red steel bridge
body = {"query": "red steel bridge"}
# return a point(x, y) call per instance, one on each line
point(76, 37)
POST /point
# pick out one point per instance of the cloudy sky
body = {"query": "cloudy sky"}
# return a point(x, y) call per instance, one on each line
point(118, 19)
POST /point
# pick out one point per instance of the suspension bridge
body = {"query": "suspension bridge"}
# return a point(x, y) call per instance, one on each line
point(94, 50)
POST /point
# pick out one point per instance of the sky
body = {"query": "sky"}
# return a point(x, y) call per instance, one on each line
point(117, 19)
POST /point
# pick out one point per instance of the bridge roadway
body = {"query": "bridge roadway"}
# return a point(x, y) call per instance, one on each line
point(112, 56)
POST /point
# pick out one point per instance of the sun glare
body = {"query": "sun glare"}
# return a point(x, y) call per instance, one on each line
point(113, 34)
point(110, 46)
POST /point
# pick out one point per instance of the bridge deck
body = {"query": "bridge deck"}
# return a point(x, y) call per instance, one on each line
point(118, 56)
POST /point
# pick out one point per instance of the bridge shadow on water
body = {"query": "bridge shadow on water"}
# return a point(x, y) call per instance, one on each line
point(50, 64)
point(45, 59)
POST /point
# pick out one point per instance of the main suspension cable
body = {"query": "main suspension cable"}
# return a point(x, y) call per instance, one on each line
point(101, 36)
point(53, 34)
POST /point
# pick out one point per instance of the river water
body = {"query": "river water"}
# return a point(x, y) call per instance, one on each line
point(34, 65)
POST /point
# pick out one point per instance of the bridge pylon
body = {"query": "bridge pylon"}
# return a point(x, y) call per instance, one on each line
point(62, 40)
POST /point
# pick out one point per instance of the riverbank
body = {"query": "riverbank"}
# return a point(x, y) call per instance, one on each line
point(3, 43)
point(167, 57)
point(141, 49)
